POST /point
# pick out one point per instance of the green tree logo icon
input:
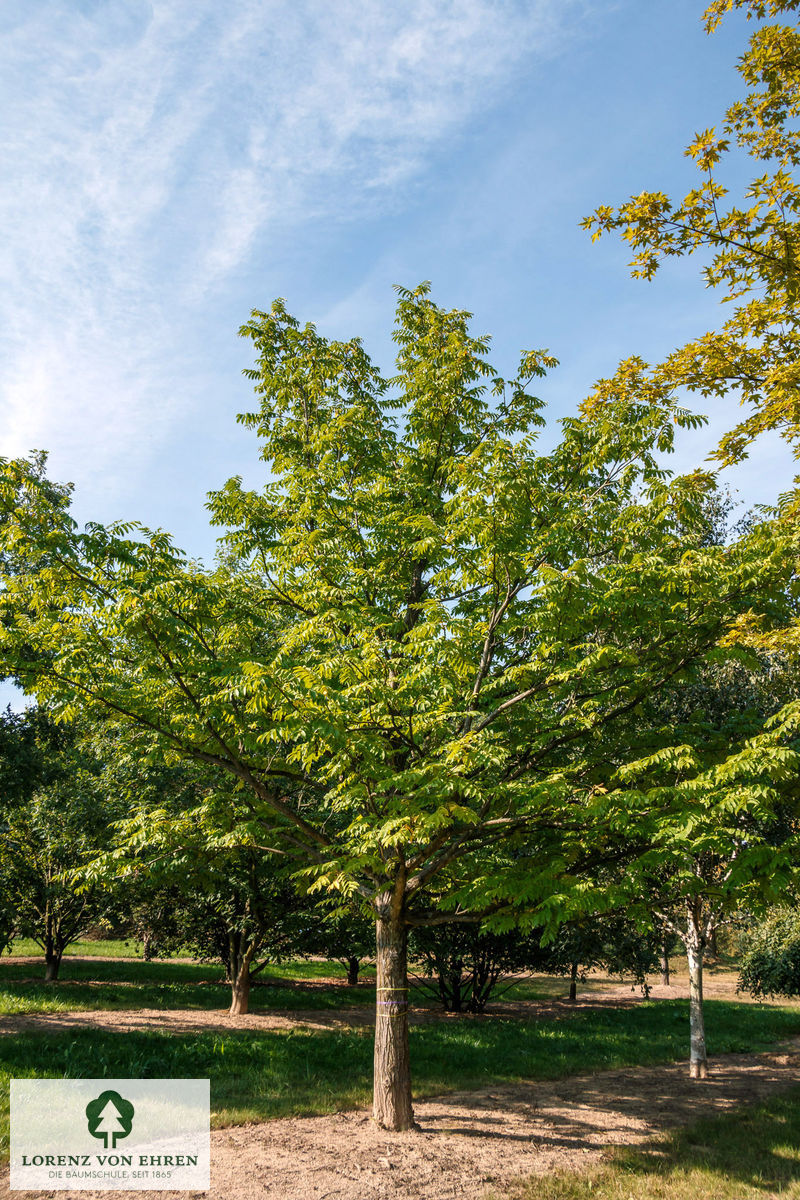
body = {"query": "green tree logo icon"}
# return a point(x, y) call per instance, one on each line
point(110, 1117)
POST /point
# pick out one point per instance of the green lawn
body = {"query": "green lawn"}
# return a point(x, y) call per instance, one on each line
point(86, 949)
point(750, 1154)
point(255, 1076)
point(97, 983)
point(293, 969)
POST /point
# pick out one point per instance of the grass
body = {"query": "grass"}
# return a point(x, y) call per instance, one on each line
point(749, 1154)
point(98, 983)
point(85, 949)
point(256, 1076)
point(95, 982)
point(293, 969)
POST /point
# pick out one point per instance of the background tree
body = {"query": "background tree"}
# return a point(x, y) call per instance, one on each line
point(750, 247)
point(770, 964)
point(55, 816)
point(188, 841)
point(342, 935)
point(715, 838)
point(612, 941)
point(464, 967)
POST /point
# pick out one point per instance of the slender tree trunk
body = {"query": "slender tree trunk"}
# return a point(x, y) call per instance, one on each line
point(456, 982)
point(353, 965)
point(573, 982)
point(392, 1106)
point(698, 1061)
point(665, 962)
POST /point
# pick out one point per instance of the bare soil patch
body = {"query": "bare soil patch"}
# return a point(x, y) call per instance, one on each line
point(183, 1020)
point(470, 1142)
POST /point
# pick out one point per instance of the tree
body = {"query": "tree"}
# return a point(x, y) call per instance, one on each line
point(187, 843)
point(344, 935)
point(416, 636)
point(611, 940)
point(463, 967)
point(714, 829)
point(750, 248)
point(716, 835)
point(56, 817)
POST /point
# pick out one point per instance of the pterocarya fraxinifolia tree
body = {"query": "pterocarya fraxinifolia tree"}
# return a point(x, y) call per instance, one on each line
point(416, 632)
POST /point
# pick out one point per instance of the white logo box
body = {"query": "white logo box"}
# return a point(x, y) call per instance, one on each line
point(110, 1134)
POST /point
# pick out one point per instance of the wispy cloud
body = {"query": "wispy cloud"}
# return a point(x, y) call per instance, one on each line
point(151, 149)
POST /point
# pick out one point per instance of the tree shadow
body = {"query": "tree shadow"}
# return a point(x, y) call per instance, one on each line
point(757, 1146)
point(649, 1107)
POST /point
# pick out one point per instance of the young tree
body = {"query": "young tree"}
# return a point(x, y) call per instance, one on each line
point(187, 843)
point(667, 943)
point(346, 936)
point(463, 967)
point(714, 839)
point(417, 635)
point(611, 940)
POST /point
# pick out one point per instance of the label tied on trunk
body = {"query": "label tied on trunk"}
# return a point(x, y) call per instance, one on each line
point(393, 1007)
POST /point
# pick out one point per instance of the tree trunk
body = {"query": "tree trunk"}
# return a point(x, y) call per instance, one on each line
point(53, 948)
point(353, 965)
point(665, 962)
point(242, 953)
point(573, 982)
point(698, 1062)
point(392, 1107)
point(240, 993)
point(52, 962)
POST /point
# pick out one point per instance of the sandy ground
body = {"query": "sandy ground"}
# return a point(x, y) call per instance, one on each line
point(469, 1143)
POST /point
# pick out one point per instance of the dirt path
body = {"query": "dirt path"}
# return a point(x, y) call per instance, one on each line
point(471, 1141)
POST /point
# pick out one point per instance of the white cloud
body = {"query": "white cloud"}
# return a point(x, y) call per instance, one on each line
point(149, 148)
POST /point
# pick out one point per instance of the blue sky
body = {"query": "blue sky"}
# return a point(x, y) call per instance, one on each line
point(170, 165)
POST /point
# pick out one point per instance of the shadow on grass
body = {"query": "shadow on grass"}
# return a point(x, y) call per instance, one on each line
point(254, 1076)
point(748, 1154)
